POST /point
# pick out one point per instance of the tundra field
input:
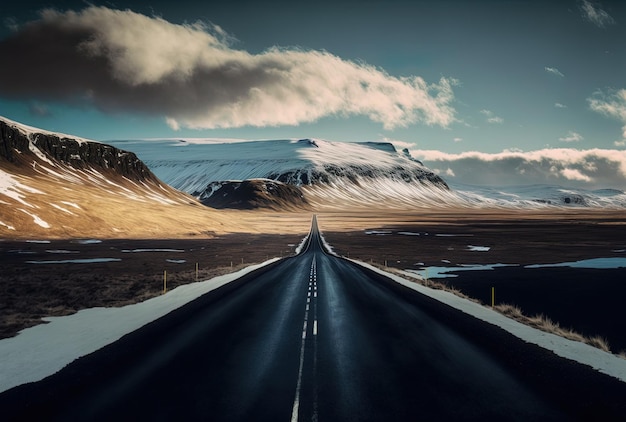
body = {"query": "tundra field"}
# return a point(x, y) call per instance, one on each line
point(61, 276)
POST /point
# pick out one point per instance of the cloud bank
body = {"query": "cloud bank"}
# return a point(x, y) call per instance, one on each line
point(595, 14)
point(592, 169)
point(121, 61)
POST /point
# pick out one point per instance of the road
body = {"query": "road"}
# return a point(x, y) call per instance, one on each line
point(316, 337)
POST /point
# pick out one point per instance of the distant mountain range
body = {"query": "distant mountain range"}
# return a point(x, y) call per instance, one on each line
point(339, 175)
point(58, 185)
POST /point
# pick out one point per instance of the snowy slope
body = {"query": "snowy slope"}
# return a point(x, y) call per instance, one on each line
point(330, 173)
point(56, 185)
point(343, 175)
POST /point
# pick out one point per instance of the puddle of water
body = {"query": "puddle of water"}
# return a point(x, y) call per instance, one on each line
point(88, 241)
point(151, 250)
point(443, 272)
point(378, 232)
point(76, 261)
point(595, 263)
point(474, 248)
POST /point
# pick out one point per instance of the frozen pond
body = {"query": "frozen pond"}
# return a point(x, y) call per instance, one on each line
point(595, 263)
point(151, 250)
point(445, 272)
point(76, 261)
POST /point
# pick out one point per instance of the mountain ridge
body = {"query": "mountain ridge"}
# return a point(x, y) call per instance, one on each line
point(59, 186)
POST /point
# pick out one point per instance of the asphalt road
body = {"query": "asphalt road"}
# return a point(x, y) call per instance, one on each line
point(316, 337)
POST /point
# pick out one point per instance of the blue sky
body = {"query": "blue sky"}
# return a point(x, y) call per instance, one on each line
point(443, 78)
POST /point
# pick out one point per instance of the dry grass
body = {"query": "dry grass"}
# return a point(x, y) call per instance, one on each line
point(544, 323)
point(541, 322)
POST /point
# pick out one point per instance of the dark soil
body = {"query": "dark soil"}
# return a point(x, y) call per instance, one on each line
point(30, 291)
point(590, 301)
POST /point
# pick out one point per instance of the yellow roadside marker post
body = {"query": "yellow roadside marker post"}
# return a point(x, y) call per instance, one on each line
point(493, 297)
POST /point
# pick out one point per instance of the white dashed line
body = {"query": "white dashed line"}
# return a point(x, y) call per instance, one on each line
point(312, 287)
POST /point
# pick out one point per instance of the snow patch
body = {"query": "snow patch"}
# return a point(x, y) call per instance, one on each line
point(36, 219)
point(60, 208)
point(595, 263)
point(76, 261)
point(6, 225)
point(88, 241)
point(71, 204)
point(151, 250)
point(474, 248)
point(301, 245)
point(602, 361)
point(10, 187)
point(42, 350)
point(29, 131)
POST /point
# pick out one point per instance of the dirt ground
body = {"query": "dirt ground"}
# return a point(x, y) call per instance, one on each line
point(32, 287)
point(590, 301)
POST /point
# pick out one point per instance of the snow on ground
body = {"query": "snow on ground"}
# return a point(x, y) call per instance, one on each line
point(76, 261)
point(604, 362)
point(14, 189)
point(6, 225)
point(42, 350)
point(60, 208)
point(36, 219)
point(31, 131)
point(597, 263)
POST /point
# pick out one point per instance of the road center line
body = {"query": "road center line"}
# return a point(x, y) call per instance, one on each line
point(312, 283)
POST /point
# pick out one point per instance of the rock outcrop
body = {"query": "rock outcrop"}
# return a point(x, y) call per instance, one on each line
point(15, 143)
point(252, 194)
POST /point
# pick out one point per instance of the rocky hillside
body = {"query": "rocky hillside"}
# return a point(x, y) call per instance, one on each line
point(253, 194)
point(54, 185)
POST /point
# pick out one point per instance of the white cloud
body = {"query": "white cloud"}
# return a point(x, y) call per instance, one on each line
point(554, 71)
point(559, 105)
point(572, 137)
point(593, 168)
point(574, 174)
point(595, 14)
point(492, 118)
point(611, 104)
point(172, 123)
point(458, 139)
point(449, 172)
point(190, 74)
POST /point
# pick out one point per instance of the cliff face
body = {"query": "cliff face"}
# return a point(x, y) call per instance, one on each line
point(15, 143)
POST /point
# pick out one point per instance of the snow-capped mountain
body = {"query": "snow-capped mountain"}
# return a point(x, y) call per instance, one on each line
point(58, 185)
point(339, 175)
point(540, 196)
point(330, 174)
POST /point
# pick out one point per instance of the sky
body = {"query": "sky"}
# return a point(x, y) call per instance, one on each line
point(491, 91)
